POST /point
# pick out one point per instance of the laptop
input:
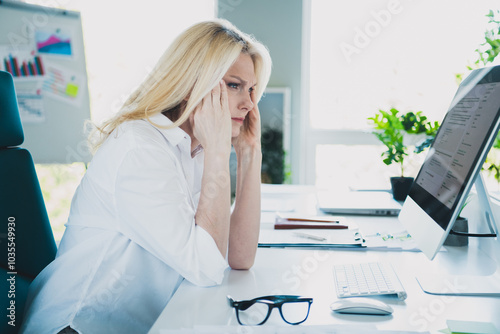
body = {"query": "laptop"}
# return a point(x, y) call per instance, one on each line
point(370, 203)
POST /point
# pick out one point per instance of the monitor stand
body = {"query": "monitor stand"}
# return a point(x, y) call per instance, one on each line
point(468, 285)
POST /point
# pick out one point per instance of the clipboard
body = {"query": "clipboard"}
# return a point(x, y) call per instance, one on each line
point(305, 238)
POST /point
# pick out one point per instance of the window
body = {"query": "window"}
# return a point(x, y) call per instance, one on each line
point(367, 55)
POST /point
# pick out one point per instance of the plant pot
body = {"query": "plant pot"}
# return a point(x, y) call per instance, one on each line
point(401, 187)
point(461, 225)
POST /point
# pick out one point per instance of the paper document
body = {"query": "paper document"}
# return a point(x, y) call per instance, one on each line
point(311, 238)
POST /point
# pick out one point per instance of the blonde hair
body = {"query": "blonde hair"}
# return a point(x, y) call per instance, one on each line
point(188, 70)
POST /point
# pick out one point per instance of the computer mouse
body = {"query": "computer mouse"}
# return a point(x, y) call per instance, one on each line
point(361, 305)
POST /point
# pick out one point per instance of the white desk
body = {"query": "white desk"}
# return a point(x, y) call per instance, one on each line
point(308, 272)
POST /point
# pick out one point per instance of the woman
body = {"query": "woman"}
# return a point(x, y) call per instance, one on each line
point(154, 205)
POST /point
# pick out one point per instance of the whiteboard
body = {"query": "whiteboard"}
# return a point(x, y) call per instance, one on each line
point(44, 49)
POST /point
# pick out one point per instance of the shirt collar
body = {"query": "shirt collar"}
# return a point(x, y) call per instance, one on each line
point(174, 135)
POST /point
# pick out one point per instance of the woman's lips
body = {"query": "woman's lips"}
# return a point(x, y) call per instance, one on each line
point(238, 119)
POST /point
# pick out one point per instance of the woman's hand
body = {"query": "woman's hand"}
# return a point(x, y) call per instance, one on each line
point(250, 132)
point(211, 121)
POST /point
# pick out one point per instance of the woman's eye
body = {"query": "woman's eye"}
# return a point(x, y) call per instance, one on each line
point(233, 85)
point(251, 90)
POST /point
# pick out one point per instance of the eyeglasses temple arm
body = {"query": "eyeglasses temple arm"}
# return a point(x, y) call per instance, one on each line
point(230, 300)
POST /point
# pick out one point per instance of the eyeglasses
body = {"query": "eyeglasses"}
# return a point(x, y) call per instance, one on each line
point(293, 309)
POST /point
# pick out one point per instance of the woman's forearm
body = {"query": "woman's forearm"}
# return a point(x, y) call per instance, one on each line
point(245, 219)
point(213, 213)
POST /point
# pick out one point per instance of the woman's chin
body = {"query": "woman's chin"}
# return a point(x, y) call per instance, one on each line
point(236, 132)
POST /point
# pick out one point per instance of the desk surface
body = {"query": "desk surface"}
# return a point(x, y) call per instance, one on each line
point(308, 272)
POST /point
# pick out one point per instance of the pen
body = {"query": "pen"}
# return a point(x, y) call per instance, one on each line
point(309, 236)
point(318, 219)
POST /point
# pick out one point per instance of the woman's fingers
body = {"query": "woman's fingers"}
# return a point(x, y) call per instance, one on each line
point(255, 110)
point(206, 102)
point(223, 96)
point(215, 94)
point(211, 101)
point(212, 119)
point(253, 97)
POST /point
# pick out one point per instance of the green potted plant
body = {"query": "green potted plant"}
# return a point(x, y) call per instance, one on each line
point(393, 130)
point(273, 156)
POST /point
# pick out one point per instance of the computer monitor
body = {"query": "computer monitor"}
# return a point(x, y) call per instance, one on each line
point(453, 164)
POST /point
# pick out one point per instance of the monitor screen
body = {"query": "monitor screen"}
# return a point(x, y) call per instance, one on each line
point(454, 159)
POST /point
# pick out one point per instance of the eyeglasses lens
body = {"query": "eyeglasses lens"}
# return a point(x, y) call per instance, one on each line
point(253, 315)
point(295, 312)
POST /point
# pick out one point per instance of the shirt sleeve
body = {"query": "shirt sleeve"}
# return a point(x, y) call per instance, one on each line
point(154, 210)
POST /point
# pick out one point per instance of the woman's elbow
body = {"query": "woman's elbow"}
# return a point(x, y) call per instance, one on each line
point(241, 264)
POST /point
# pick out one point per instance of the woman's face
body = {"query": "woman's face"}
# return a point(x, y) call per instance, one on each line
point(240, 81)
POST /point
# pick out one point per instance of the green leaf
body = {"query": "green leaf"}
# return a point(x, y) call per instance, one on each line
point(390, 127)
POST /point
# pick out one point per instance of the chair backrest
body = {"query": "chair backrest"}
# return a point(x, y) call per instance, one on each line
point(27, 244)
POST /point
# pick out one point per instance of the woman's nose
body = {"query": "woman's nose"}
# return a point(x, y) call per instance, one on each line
point(247, 102)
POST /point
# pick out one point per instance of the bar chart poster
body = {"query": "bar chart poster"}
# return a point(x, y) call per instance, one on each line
point(21, 63)
point(56, 104)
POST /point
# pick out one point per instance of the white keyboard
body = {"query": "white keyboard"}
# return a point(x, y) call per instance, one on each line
point(367, 279)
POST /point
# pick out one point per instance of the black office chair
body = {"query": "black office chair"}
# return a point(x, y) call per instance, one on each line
point(27, 244)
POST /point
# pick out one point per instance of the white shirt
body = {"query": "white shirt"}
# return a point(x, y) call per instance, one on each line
point(130, 239)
